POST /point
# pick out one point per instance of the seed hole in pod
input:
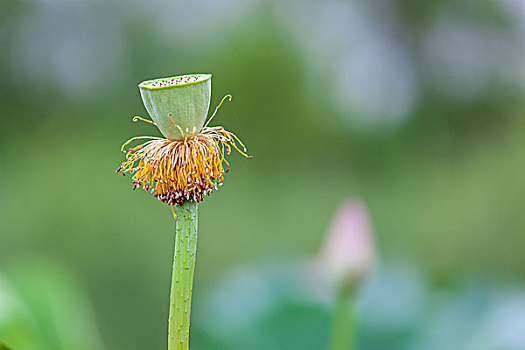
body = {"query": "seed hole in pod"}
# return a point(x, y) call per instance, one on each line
point(175, 81)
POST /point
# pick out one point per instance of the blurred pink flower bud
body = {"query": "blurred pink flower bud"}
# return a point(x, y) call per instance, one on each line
point(348, 253)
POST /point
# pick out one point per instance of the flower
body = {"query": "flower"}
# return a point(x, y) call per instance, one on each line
point(190, 162)
point(349, 251)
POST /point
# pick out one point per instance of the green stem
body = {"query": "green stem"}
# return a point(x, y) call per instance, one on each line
point(344, 325)
point(182, 276)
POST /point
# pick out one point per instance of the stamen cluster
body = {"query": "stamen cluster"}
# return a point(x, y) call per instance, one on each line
point(175, 171)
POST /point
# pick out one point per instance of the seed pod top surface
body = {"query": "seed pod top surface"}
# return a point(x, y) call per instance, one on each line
point(185, 99)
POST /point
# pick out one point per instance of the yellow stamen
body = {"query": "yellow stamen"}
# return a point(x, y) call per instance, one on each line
point(182, 170)
point(135, 118)
point(217, 108)
point(136, 138)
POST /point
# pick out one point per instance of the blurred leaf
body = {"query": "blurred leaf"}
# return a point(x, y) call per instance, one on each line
point(4, 346)
point(48, 309)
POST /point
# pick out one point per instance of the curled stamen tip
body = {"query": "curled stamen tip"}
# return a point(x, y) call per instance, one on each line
point(138, 117)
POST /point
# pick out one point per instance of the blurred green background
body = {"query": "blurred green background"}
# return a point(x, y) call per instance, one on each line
point(416, 107)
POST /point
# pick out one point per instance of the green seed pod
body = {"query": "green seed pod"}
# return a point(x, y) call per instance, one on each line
point(184, 99)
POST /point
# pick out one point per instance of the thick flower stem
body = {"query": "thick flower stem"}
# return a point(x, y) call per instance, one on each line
point(182, 276)
point(343, 326)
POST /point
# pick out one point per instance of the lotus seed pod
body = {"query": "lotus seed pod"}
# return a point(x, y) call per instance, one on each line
point(178, 105)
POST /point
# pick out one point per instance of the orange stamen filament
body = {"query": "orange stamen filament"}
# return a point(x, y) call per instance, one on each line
point(173, 212)
point(176, 125)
